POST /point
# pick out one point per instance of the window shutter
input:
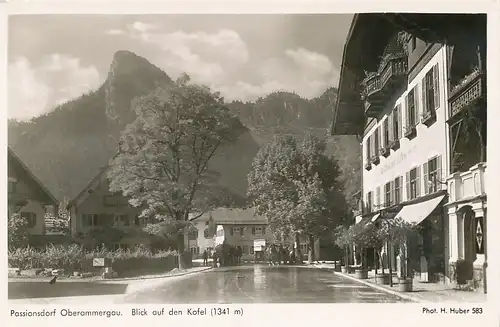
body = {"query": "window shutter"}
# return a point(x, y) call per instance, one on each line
point(253, 230)
point(85, 221)
point(426, 178)
point(439, 175)
point(377, 197)
point(390, 127)
point(400, 188)
point(424, 94)
point(417, 109)
point(407, 113)
point(372, 143)
point(418, 186)
point(242, 231)
point(408, 190)
point(392, 198)
point(232, 231)
point(372, 201)
point(400, 122)
point(436, 86)
point(263, 231)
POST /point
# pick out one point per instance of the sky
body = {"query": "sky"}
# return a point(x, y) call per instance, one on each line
point(55, 58)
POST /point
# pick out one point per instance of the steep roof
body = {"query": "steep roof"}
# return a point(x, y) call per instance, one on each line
point(13, 159)
point(87, 188)
point(233, 216)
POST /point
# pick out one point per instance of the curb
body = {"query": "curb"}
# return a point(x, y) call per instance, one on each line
point(151, 277)
point(380, 288)
point(152, 282)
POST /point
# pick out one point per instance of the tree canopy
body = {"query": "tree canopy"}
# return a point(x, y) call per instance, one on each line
point(296, 187)
point(163, 162)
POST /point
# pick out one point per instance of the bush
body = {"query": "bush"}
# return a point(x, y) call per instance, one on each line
point(75, 257)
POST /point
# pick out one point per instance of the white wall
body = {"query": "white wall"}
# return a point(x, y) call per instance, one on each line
point(429, 142)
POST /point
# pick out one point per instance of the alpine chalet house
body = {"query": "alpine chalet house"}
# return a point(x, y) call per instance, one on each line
point(412, 87)
point(242, 227)
point(28, 197)
point(100, 216)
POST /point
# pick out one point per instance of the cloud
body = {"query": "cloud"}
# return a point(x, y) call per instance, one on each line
point(35, 89)
point(114, 32)
point(222, 60)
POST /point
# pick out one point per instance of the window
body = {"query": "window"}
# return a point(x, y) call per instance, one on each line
point(242, 231)
point(430, 89)
point(251, 249)
point(12, 186)
point(385, 130)
point(89, 220)
point(412, 184)
point(245, 249)
point(397, 190)
point(236, 231)
point(368, 148)
point(30, 218)
point(121, 221)
point(387, 189)
point(114, 200)
point(396, 124)
point(412, 108)
point(432, 175)
point(369, 203)
point(206, 233)
point(257, 231)
point(193, 234)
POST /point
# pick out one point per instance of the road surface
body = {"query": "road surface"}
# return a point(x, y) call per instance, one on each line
point(262, 284)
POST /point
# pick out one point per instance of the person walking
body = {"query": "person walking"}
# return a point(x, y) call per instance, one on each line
point(205, 258)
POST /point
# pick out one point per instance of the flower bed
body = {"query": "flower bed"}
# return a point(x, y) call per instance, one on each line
point(76, 258)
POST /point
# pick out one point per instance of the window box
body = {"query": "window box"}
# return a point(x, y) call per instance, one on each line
point(428, 117)
point(375, 160)
point(385, 151)
point(410, 132)
point(368, 166)
point(394, 145)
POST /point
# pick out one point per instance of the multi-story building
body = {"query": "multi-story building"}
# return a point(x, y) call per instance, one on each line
point(242, 227)
point(95, 209)
point(407, 83)
point(28, 197)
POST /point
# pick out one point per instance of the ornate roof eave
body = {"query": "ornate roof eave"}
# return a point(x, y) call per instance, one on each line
point(372, 31)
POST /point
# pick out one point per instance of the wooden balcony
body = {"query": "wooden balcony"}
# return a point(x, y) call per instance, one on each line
point(378, 87)
point(469, 184)
point(470, 89)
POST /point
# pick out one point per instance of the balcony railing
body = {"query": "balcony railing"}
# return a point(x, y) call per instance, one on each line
point(375, 159)
point(468, 90)
point(368, 166)
point(378, 87)
point(469, 184)
point(410, 132)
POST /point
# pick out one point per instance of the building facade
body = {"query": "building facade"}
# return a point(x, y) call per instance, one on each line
point(400, 100)
point(242, 227)
point(28, 197)
point(100, 216)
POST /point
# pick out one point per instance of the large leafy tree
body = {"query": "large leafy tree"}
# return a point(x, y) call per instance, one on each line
point(163, 162)
point(296, 187)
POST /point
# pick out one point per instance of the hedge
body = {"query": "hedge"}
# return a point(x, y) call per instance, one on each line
point(76, 258)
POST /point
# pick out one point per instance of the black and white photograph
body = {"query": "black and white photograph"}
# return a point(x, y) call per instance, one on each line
point(247, 158)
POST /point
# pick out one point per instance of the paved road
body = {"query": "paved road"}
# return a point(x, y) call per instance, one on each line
point(262, 284)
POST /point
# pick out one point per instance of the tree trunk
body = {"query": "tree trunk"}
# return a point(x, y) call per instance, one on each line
point(180, 250)
point(381, 261)
point(310, 254)
point(298, 253)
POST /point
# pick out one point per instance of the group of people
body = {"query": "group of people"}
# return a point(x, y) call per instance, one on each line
point(223, 255)
point(279, 254)
point(230, 255)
